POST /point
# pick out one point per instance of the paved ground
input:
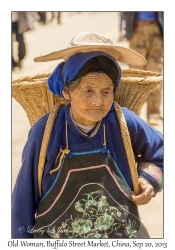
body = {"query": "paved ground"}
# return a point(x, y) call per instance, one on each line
point(52, 37)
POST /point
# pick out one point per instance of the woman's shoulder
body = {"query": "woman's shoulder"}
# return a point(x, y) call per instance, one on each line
point(39, 125)
point(127, 113)
point(131, 118)
point(38, 128)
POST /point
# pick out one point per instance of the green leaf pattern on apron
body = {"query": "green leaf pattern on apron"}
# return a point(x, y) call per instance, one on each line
point(96, 220)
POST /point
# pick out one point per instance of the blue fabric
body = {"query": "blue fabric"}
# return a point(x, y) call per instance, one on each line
point(146, 15)
point(55, 81)
point(66, 71)
point(146, 141)
point(151, 180)
point(130, 18)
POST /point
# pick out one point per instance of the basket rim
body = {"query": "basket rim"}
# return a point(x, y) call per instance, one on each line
point(32, 92)
point(130, 74)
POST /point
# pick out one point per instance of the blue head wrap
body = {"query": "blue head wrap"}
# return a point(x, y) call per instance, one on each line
point(66, 71)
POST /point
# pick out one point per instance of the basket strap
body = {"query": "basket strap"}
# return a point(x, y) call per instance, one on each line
point(126, 139)
point(45, 141)
point(128, 148)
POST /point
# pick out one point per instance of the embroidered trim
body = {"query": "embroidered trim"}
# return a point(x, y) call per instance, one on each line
point(96, 219)
point(77, 170)
point(101, 205)
point(83, 153)
point(58, 174)
point(101, 150)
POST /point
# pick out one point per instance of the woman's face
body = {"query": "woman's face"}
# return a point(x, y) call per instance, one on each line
point(91, 100)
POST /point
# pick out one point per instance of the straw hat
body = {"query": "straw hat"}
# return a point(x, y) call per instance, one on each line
point(92, 41)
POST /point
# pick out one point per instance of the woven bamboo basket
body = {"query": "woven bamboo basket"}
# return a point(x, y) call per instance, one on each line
point(33, 95)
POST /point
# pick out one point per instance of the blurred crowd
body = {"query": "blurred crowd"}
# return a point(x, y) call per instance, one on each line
point(54, 15)
point(22, 22)
point(142, 30)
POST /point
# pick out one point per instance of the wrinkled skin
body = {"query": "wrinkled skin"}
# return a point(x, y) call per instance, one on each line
point(90, 101)
point(147, 193)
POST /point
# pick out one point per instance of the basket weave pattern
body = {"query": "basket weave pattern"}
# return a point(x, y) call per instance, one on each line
point(128, 148)
point(45, 141)
point(33, 95)
point(135, 87)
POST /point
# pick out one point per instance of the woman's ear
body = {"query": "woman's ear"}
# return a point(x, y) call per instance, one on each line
point(65, 94)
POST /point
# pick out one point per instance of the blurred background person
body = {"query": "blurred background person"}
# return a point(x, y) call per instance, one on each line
point(18, 37)
point(121, 28)
point(42, 15)
point(22, 21)
point(144, 30)
point(57, 15)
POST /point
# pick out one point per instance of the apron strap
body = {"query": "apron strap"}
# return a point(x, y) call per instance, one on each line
point(128, 148)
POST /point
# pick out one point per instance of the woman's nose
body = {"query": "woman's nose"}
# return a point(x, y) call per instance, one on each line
point(97, 99)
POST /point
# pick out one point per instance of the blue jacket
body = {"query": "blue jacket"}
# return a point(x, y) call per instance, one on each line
point(146, 141)
point(130, 17)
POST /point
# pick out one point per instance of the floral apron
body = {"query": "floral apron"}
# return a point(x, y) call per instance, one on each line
point(89, 198)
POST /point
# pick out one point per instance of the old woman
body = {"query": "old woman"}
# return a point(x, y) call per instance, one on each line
point(86, 183)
